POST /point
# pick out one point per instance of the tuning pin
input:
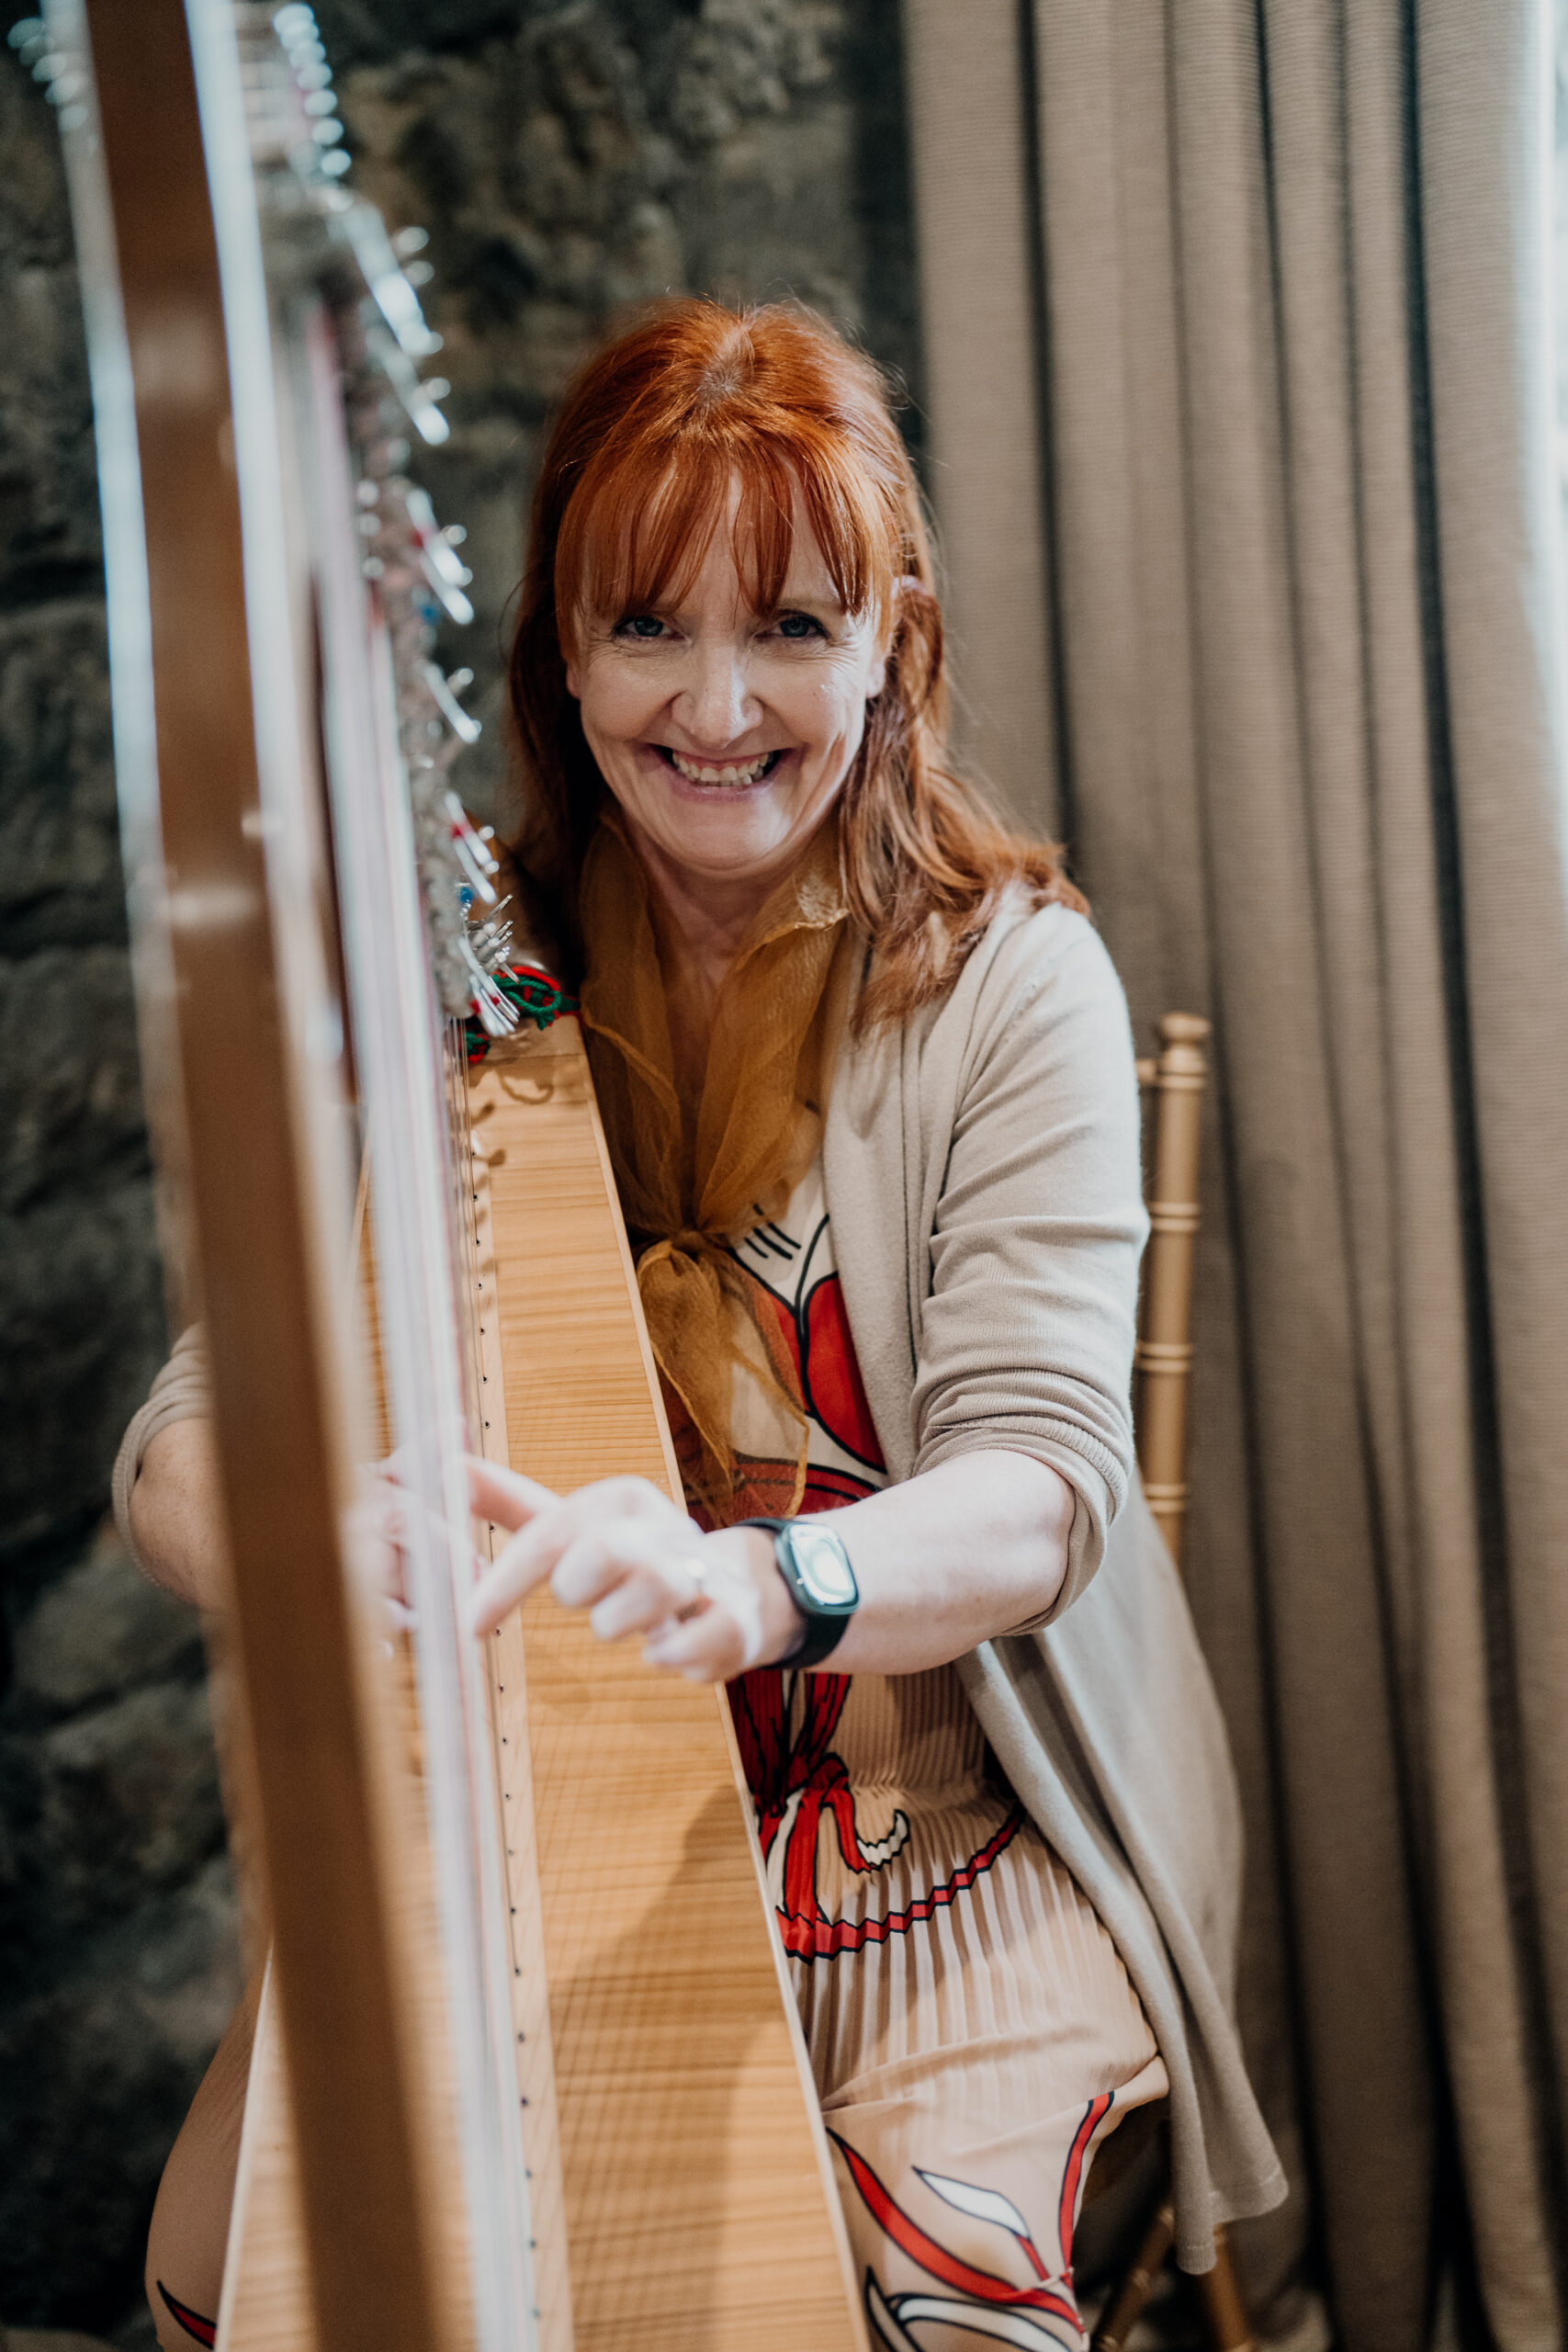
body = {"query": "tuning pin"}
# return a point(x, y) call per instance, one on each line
point(491, 944)
point(466, 729)
point(487, 833)
point(410, 241)
point(497, 1013)
point(438, 560)
point(474, 859)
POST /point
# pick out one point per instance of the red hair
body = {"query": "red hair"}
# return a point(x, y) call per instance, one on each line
point(637, 474)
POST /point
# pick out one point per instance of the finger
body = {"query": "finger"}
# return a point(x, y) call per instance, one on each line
point(626, 1515)
point(627, 1498)
point(504, 1498)
point(410, 1530)
point(640, 1603)
point(710, 1647)
point(721, 1641)
point(518, 1567)
point(599, 1557)
point(635, 1504)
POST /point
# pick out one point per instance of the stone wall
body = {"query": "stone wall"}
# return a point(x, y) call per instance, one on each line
point(568, 162)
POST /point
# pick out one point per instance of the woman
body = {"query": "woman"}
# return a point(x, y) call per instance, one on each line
point(865, 1074)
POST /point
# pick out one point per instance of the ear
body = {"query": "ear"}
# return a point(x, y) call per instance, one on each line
point(877, 679)
point(574, 681)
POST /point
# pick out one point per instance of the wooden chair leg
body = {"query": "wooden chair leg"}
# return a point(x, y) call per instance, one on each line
point(1230, 2330)
point(1127, 2306)
point(1228, 2327)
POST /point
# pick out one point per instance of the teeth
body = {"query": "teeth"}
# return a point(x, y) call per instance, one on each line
point(747, 773)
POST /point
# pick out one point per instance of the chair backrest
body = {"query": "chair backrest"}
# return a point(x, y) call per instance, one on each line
point(1162, 1362)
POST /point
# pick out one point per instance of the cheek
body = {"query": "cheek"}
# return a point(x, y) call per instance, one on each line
point(615, 701)
point(836, 714)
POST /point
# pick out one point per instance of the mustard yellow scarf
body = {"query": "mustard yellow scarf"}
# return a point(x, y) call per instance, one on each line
point(697, 1173)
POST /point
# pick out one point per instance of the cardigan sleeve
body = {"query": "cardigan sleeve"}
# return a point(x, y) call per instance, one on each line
point(1027, 1329)
point(179, 1393)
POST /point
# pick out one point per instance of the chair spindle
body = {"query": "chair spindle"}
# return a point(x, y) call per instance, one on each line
point(1162, 1362)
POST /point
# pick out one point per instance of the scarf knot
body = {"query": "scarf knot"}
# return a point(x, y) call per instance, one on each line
point(697, 1176)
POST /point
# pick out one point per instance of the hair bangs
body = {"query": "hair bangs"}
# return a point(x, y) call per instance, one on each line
point(640, 523)
point(636, 530)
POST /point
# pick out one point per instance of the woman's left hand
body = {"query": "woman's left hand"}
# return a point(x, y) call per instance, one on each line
point(708, 1607)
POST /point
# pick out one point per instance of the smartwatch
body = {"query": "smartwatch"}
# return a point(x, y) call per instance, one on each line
point(816, 1567)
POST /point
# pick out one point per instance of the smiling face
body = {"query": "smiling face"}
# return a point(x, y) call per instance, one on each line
point(725, 734)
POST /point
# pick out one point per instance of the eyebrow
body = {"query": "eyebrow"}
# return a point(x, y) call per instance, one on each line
point(832, 602)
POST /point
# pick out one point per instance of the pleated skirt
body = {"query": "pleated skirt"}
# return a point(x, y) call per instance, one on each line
point(973, 2031)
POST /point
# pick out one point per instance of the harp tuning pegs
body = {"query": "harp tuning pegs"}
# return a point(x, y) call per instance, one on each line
point(446, 692)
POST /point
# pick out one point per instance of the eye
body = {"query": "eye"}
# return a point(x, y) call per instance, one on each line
point(799, 625)
point(643, 628)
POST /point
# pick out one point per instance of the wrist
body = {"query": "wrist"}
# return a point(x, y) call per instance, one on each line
point(751, 1549)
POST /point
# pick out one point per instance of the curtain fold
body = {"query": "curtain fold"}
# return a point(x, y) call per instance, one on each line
point(964, 78)
point(1484, 97)
point(1299, 539)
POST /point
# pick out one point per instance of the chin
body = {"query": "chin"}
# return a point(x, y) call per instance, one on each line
point(717, 824)
point(728, 841)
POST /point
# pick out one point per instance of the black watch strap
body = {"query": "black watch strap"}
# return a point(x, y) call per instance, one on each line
point(825, 1617)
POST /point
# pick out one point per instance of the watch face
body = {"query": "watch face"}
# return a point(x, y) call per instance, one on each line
point(821, 1564)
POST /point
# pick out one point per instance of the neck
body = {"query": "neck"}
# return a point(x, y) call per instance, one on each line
point(706, 922)
point(709, 916)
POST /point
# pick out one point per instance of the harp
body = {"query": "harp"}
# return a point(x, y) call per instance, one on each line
point(527, 2074)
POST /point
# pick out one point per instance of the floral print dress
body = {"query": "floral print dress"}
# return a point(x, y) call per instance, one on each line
point(973, 2031)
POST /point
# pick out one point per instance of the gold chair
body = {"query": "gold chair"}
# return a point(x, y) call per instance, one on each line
point(1162, 1365)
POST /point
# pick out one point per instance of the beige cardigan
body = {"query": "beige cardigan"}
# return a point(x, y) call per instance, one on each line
point(982, 1174)
point(981, 1168)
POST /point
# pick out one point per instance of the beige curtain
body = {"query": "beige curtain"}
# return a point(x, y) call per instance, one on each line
point(1236, 321)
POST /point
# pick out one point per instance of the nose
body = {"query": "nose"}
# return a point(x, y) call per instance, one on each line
point(716, 706)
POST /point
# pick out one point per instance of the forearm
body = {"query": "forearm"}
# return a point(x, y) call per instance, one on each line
point(973, 1548)
point(177, 1516)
